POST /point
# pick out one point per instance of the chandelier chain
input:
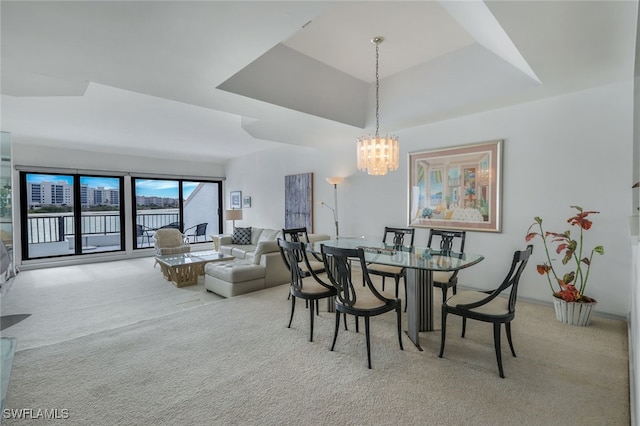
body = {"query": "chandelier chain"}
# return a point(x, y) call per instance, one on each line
point(377, 92)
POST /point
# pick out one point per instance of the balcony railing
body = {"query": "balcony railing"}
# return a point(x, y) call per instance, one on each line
point(46, 229)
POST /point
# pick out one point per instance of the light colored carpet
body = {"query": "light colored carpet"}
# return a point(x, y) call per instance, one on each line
point(233, 361)
point(73, 301)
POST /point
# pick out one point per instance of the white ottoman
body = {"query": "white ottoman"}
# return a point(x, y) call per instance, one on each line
point(230, 279)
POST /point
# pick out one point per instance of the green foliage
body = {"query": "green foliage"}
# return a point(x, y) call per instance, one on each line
point(572, 285)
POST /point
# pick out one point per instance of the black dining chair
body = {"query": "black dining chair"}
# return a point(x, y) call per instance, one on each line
point(301, 235)
point(357, 300)
point(489, 306)
point(312, 290)
point(399, 237)
point(445, 240)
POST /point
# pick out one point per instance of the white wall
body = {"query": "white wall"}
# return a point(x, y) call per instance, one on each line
point(574, 149)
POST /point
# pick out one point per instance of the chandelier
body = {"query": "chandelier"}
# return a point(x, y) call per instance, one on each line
point(377, 155)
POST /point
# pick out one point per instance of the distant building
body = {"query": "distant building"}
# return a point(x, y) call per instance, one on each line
point(49, 194)
point(144, 201)
point(61, 194)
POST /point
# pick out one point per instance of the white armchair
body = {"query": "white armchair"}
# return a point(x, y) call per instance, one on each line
point(170, 241)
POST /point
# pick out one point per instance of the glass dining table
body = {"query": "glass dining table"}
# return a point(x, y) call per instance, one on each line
point(419, 264)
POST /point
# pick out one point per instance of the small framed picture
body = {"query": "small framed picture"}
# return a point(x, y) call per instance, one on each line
point(246, 202)
point(236, 199)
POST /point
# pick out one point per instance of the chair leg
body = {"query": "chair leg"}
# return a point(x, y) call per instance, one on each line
point(335, 331)
point(293, 308)
point(443, 332)
point(464, 325)
point(311, 309)
point(496, 339)
point(405, 294)
point(366, 328)
point(345, 322)
point(444, 292)
point(399, 318)
point(397, 279)
point(507, 326)
point(317, 306)
point(357, 324)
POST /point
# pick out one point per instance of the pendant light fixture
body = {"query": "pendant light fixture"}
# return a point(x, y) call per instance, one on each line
point(377, 155)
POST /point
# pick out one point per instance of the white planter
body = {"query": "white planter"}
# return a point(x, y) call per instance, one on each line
point(574, 313)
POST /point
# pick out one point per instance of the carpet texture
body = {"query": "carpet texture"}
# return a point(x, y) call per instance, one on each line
point(234, 362)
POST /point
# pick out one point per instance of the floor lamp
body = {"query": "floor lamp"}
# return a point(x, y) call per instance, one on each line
point(335, 181)
point(235, 214)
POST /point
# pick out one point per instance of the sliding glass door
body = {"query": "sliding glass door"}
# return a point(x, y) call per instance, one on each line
point(73, 214)
point(101, 214)
point(64, 214)
point(157, 206)
point(193, 207)
point(201, 206)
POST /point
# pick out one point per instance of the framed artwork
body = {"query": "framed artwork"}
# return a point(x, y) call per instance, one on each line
point(457, 187)
point(298, 201)
point(246, 202)
point(236, 200)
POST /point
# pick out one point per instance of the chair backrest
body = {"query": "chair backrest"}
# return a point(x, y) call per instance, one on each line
point(338, 266)
point(398, 236)
point(518, 263)
point(140, 230)
point(294, 252)
point(201, 229)
point(172, 225)
point(447, 239)
point(520, 259)
point(168, 238)
point(296, 234)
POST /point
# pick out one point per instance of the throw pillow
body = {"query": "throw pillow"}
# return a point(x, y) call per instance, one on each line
point(241, 236)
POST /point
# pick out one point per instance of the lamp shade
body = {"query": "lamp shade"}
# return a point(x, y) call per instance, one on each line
point(235, 214)
point(335, 180)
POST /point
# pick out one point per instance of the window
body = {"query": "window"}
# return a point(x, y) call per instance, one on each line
point(193, 207)
point(101, 214)
point(201, 203)
point(73, 214)
point(56, 224)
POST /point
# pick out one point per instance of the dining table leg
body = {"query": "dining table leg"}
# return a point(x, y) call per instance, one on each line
point(419, 303)
point(331, 304)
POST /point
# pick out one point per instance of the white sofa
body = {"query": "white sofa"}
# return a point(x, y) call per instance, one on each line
point(257, 265)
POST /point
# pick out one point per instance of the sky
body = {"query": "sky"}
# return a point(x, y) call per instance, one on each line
point(145, 187)
point(163, 188)
point(93, 182)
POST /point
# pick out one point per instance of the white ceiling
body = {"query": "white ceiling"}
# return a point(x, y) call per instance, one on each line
point(212, 80)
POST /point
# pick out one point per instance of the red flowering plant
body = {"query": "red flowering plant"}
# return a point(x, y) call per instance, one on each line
point(571, 285)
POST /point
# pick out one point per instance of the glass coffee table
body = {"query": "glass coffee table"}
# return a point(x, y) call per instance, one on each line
point(183, 269)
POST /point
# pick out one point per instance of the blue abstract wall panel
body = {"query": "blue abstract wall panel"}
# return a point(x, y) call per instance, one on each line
point(298, 201)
